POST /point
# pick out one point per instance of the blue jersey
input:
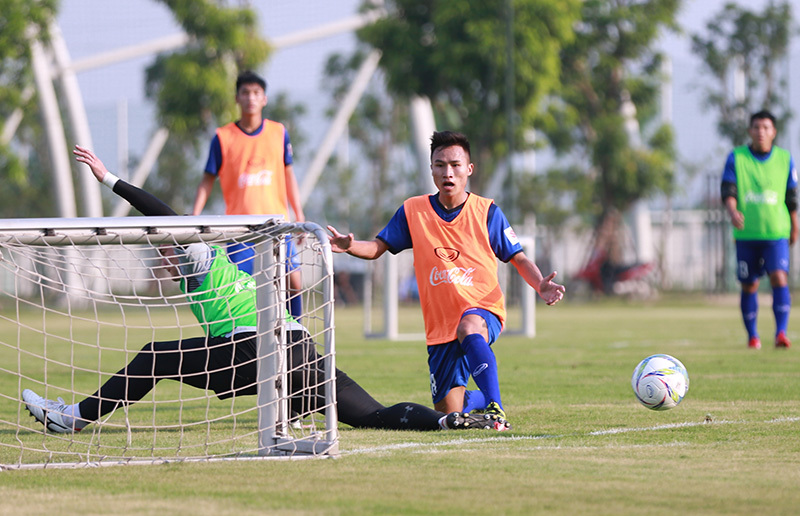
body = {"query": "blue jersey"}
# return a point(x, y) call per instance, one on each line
point(215, 152)
point(502, 239)
point(729, 174)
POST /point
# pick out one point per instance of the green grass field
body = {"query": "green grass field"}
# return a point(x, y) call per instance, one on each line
point(581, 443)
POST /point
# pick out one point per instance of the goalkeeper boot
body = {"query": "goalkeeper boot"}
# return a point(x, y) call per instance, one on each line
point(48, 412)
point(467, 421)
point(782, 341)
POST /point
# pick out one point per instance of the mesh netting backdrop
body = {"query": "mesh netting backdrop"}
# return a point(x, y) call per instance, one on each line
point(75, 308)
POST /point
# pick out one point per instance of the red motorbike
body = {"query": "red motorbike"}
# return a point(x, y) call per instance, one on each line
point(607, 278)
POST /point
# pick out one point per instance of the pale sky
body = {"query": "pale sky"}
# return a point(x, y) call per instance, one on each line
point(93, 26)
point(695, 127)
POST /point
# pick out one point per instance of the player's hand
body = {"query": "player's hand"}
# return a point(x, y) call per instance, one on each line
point(737, 219)
point(551, 292)
point(340, 243)
point(84, 155)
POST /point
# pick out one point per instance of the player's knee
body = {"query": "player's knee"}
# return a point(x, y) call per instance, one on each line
point(468, 327)
point(778, 279)
point(750, 288)
point(471, 323)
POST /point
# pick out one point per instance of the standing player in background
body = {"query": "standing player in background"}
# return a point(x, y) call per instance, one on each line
point(759, 190)
point(253, 159)
point(456, 237)
point(224, 359)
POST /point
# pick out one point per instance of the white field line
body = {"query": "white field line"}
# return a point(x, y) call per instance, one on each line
point(507, 438)
point(686, 425)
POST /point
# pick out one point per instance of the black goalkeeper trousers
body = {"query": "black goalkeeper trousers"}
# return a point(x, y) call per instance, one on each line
point(228, 367)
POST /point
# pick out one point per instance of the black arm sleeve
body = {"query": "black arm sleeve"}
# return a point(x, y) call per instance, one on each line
point(791, 199)
point(147, 203)
point(729, 190)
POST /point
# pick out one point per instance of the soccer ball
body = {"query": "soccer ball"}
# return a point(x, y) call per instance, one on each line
point(660, 382)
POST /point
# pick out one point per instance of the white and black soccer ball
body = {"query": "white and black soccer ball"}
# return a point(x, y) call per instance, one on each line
point(660, 382)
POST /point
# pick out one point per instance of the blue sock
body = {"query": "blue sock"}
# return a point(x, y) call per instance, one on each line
point(474, 400)
point(296, 306)
point(781, 304)
point(483, 367)
point(749, 306)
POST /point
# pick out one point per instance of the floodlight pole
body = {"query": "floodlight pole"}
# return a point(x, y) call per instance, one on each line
point(15, 118)
point(423, 125)
point(337, 127)
point(62, 176)
point(92, 205)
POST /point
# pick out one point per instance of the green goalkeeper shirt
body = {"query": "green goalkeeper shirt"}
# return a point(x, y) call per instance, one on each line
point(225, 301)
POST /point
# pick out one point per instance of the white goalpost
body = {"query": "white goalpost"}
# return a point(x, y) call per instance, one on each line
point(80, 299)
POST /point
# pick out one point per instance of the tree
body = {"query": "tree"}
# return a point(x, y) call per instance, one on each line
point(382, 174)
point(25, 190)
point(741, 41)
point(610, 78)
point(478, 62)
point(194, 87)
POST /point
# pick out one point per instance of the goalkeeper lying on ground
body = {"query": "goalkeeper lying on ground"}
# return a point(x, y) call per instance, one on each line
point(224, 360)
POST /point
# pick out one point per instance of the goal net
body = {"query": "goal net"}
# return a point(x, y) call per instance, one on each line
point(84, 301)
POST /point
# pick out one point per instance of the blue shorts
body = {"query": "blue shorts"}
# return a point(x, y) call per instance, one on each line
point(755, 257)
point(448, 363)
point(242, 254)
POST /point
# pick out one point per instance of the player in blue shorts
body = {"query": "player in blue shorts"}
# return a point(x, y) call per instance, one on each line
point(457, 238)
point(759, 190)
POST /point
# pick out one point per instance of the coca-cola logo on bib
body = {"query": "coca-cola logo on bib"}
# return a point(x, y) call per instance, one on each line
point(454, 276)
point(260, 178)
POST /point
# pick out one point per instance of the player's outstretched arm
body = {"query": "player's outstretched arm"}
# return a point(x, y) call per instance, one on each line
point(198, 256)
point(548, 290)
point(147, 203)
point(366, 249)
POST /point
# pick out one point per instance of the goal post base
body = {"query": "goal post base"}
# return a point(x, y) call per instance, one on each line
point(308, 445)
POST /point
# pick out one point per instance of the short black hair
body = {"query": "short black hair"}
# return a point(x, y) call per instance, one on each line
point(250, 77)
point(763, 115)
point(448, 139)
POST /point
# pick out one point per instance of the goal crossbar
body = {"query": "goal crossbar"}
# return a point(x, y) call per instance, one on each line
point(136, 230)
